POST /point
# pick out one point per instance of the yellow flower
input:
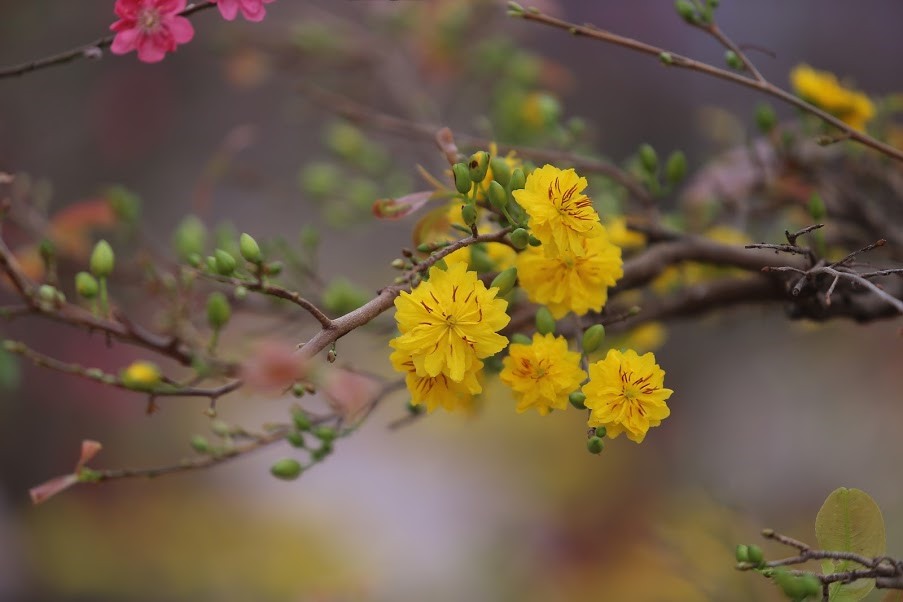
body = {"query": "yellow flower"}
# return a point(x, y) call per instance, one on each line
point(620, 235)
point(440, 390)
point(560, 215)
point(646, 337)
point(543, 374)
point(822, 89)
point(141, 376)
point(570, 282)
point(626, 394)
point(493, 256)
point(449, 323)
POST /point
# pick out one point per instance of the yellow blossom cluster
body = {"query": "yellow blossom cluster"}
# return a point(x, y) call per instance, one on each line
point(448, 324)
point(822, 89)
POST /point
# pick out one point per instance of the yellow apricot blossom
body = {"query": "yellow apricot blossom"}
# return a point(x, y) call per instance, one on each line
point(626, 394)
point(822, 89)
point(440, 390)
point(570, 282)
point(619, 234)
point(560, 215)
point(141, 376)
point(542, 374)
point(449, 322)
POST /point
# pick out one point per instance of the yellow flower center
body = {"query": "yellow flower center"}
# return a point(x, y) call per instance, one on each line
point(149, 19)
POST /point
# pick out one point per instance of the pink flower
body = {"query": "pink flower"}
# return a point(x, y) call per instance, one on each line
point(152, 27)
point(252, 10)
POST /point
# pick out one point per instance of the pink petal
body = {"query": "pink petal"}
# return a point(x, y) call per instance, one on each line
point(170, 6)
point(182, 30)
point(228, 9)
point(52, 487)
point(149, 51)
point(90, 448)
point(125, 41)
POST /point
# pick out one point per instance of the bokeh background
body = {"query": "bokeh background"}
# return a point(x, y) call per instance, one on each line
point(768, 416)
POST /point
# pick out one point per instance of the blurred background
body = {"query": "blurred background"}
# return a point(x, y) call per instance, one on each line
point(768, 416)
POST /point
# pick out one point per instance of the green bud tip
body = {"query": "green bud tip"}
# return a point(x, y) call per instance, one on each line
point(595, 445)
point(648, 158)
point(249, 248)
point(287, 469)
point(221, 428)
point(301, 420)
point(200, 444)
point(592, 338)
point(766, 119)
point(601, 431)
point(461, 173)
point(190, 237)
point(501, 171)
point(218, 310)
point(520, 339)
point(545, 323)
point(686, 11)
point(504, 281)
point(666, 58)
point(498, 198)
point(676, 167)
point(578, 399)
point(469, 214)
point(733, 60)
point(225, 263)
point(520, 238)
point(295, 439)
point(754, 554)
point(47, 293)
point(741, 553)
point(325, 433)
point(102, 259)
point(274, 268)
point(518, 179)
point(534, 242)
point(399, 263)
point(240, 292)
point(478, 166)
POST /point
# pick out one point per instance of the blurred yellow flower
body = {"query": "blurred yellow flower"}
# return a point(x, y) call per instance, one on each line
point(440, 390)
point(646, 337)
point(689, 273)
point(570, 282)
point(559, 214)
point(141, 376)
point(542, 374)
point(449, 323)
point(626, 394)
point(619, 234)
point(822, 89)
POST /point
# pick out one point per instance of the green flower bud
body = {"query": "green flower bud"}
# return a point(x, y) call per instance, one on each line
point(309, 237)
point(325, 434)
point(520, 339)
point(592, 338)
point(200, 444)
point(742, 553)
point(810, 584)
point(342, 296)
point(666, 58)
point(518, 179)
point(295, 439)
point(601, 431)
point(102, 259)
point(287, 469)
point(399, 263)
point(686, 11)
point(478, 166)
point(520, 238)
point(47, 293)
point(190, 237)
point(765, 117)
point(249, 248)
point(469, 214)
point(320, 180)
point(648, 158)
point(210, 262)
point(545, 323)
point(817, 207)
point(240, 292)
point(534, 242)
point(225, 263)
point(301, 420)
point(461, 173)
point(793, 587)
point(501, 171)
point(497, 196)
point(274, 268)
point(578, 399)
point(676, 167)
point(504, 281)
point(595, 445)
point(218, 310)
point(323, 451)
point(755, 555)
point(733, 60)
point(480, 261)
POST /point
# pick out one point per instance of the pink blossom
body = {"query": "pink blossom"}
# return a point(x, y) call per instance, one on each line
point(57, 484)
point(152, 27)
point(252, 10)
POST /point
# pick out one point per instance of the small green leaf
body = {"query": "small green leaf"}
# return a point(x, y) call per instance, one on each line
point(850, 521)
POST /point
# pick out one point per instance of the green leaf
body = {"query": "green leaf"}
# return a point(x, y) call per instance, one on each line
point(850, 521)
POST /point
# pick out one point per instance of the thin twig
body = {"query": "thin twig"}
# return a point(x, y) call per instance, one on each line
point(676, 60)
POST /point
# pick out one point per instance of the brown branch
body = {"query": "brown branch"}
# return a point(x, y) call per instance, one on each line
point(93, 50)
point(676, 60)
